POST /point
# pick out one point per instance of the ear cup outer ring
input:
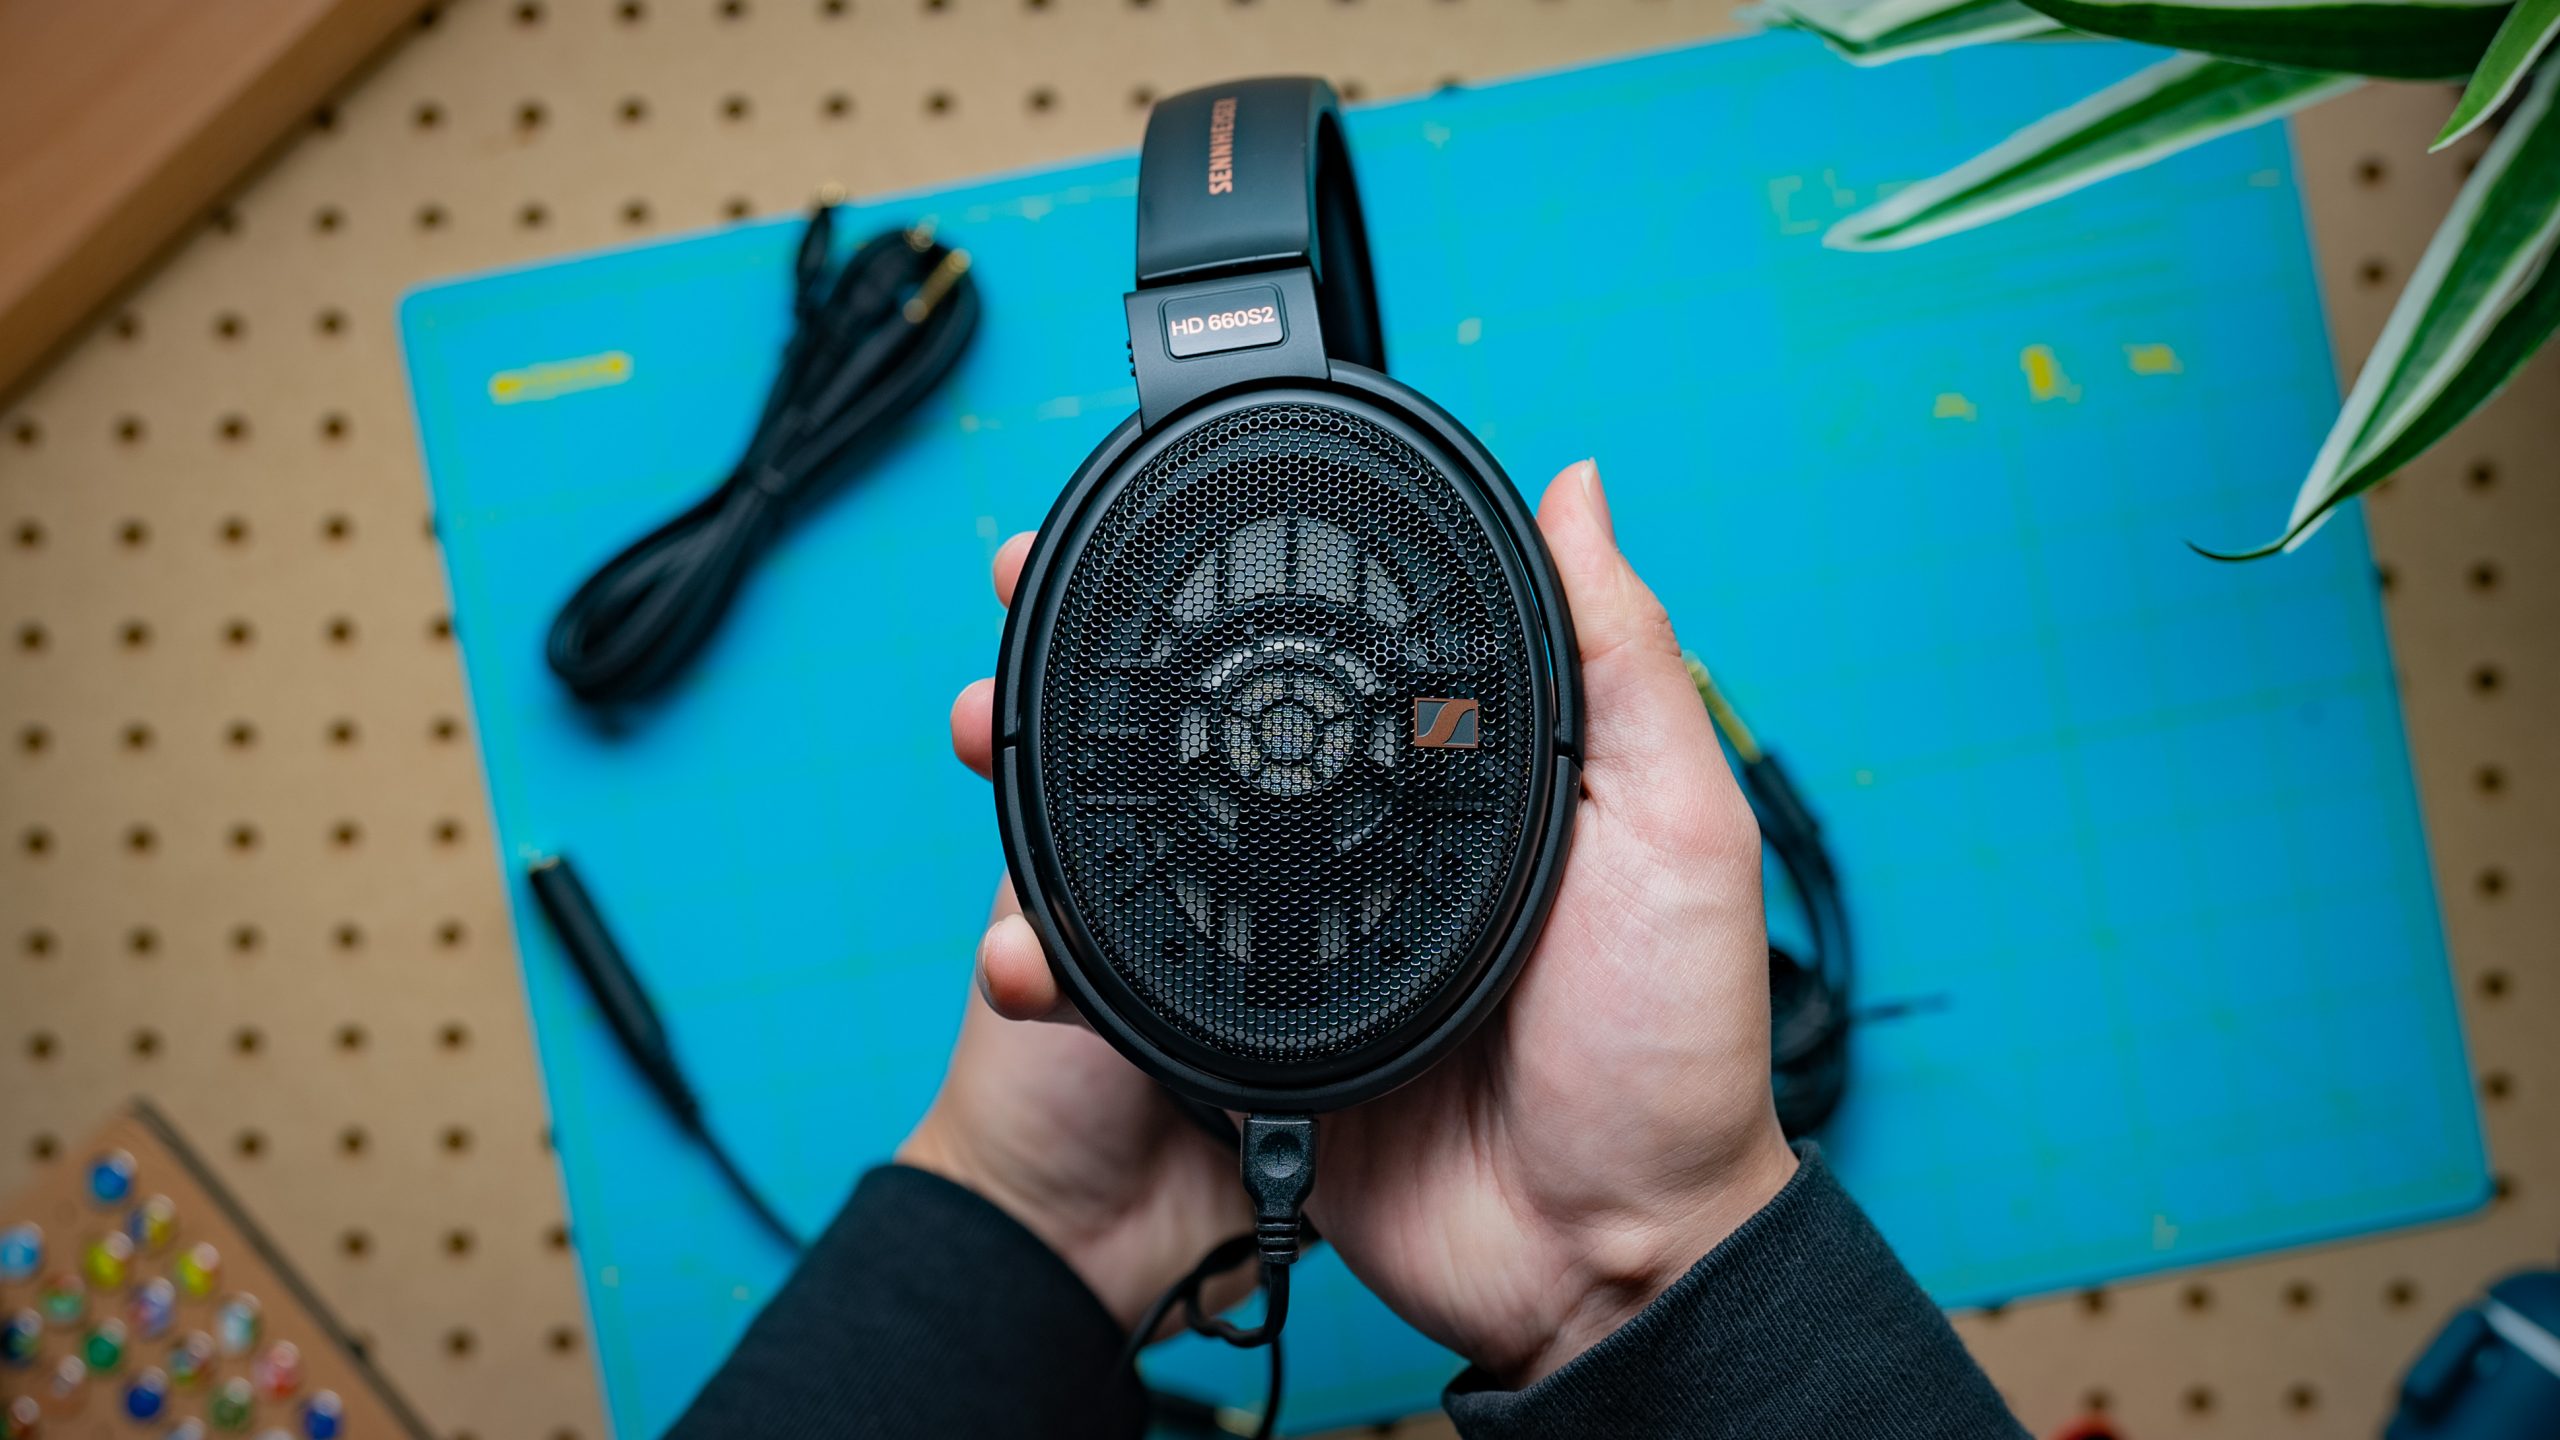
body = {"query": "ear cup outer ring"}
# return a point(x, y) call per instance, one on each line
point(1473, 988)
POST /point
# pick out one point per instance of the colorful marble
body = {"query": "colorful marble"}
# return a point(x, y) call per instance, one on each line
point(111, 1177)
point(235, 1325)
point(21, 1252)
point(233, 1403)
point(154, 1308)
point(324, 1416)
point(109, 1260)
point(191, 1359)
point(20, 1338)
point(64, 1299)
point(146, 1395)
point(153, 1224)
point(197, 1269)
point(22, 1420)
point(104, 1349)
point(278, 1371)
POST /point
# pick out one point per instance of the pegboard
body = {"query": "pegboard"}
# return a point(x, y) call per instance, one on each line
point(246, 865)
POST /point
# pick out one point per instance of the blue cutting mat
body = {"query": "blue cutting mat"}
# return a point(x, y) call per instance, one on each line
point(2138, 830)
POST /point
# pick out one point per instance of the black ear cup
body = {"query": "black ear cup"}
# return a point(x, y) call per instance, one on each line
point(1289, 764)
point(1287, 715)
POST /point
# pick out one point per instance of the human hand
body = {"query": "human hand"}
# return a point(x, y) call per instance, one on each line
point(1612, 1121)
point(1050, 1124)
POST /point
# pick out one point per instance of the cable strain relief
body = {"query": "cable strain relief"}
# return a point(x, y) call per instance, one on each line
point(1278, 1240)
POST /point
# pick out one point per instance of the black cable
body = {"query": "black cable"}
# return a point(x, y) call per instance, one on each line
point(869, 344)
point(633, 1019)
point(739, 1185)
point(1277, 1154)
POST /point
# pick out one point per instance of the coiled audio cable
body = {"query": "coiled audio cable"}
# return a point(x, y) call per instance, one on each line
point(870, 341)
point(1809, 997)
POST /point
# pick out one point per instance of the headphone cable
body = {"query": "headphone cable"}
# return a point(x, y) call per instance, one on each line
point(1809, 999)
point(1277, 1155)
point(869, 342)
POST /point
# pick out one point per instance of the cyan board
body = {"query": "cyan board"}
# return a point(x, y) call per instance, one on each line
point(2134, 832)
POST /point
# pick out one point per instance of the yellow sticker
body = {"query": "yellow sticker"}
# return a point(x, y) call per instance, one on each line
point(553, 378)
point(1952, 406)
point(2045, 377)
point(2152, 359)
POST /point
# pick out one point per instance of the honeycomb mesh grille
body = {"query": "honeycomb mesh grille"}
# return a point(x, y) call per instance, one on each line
point(1228, 742)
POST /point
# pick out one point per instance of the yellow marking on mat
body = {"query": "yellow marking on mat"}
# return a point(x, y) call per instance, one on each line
point(2045, 380)
point(553, 378)
point(1952, 406)
point(2152, 360)
point(1470, 330)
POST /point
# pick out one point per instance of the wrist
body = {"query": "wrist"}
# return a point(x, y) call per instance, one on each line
point(1621, 1263)
point(940, 1150)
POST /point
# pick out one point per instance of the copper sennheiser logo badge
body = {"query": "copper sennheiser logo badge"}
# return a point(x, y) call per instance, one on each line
point(1222, 146)
point(1444, 724)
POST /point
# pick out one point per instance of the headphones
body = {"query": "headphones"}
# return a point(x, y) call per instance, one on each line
point(1288, 711)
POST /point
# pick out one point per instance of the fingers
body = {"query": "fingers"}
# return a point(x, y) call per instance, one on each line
point(973, 713)
point(973, 726)
point(1649, 747)
point(1014, 974)
point(1008, 567)
point(1613, 612)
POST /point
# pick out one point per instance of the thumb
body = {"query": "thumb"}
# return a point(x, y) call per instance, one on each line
point(1649, 748)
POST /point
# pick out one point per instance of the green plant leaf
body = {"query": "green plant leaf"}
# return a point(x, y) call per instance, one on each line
point(2513, 341)
point(1911, 30)
point(1862, 22)
point(2485, 295)
point(2157, 112)
point(2518, 43)
point(2396, 39)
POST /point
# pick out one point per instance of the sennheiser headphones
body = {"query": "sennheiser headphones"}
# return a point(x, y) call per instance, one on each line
point(1288, 712)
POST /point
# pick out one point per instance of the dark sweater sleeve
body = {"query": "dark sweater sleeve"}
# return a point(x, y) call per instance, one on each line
point(924, 1310)
point(1800, 1326)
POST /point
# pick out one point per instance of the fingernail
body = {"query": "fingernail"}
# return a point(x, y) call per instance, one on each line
point(1599, 497)
point(985, 991)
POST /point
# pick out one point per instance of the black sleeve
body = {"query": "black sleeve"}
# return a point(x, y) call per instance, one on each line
point(924, 1310)
point(1800, 1326)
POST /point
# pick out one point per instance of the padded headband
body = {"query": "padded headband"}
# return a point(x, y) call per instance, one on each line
point(1254, 176)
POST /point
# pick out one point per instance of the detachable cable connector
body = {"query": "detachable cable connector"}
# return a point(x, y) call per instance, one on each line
point(1278, 1159)
point(1276, 1155)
